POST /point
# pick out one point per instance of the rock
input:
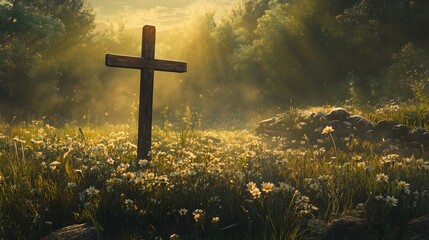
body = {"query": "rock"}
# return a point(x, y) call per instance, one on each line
point(351, 228)
point(347, 124)
point(354, 119)
point(316, 133)
point(315, 228)
point(271, 133)
point(363, 125)
point(385, 125)
point(400, 130)
point(319, 117)
point(346, 129)
point(425, 137)
point(384, 128)
point(368, 135)
point(417, 229)
point(265, 124)
point(416, 145)
point(335, 124)
point(416, 135)
point(338, 114)
point(73, 232)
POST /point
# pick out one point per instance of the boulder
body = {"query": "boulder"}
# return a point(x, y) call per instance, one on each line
point(415, 145)
point(346, 129)
point(384, 128)
point(400, 130)
point(417, 229)
point(338, 114)
point(265, 124)
point(318, 117)
point(354, 119)
point(351, 228)
point(416, 135)
point(363, 125)
point(369, 135)
point(425, 137)
point(73, 232)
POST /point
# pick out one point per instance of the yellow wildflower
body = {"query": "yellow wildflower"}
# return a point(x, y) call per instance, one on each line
point(327, 130)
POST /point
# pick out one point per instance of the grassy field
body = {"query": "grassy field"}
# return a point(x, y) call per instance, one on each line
point(204, 184)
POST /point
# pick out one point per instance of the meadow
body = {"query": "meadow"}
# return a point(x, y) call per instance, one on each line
point(206, 184)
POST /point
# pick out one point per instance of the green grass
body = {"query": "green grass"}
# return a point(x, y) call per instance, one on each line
point(199, 183)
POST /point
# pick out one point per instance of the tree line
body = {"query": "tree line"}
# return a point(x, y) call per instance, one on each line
point(261, 54)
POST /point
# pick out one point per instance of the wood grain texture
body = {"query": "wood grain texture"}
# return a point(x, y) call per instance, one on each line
point(147, 64)
point(113, 60)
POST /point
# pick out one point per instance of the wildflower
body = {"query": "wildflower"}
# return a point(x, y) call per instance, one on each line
point(324, 177)
point(285, 187)
point(174, 236)
point(391, 201)
point(128, 202)
point(183, 211)
point(198, 215)
point(327, 130)
point(267, 187)
point(110, 161)
point(314, 186)
point(53, 165)
point(361, 165)
point(379, 197)
point(402, 185)
point(215, 220)
point(381, 177)
point(303, 204)
point(128, 175)
point(143, 162)
point(71, 184)
point(92, 191)
point(360, 206)
point(122, 168)
point(254, 190)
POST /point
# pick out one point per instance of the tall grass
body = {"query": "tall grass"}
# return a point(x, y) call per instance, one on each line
point(201, 184)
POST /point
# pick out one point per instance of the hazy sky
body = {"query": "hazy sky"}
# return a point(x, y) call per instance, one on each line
point(164, 14)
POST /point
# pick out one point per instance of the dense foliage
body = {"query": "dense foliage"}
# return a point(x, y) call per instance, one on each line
point(321, 49)
point(262, 54)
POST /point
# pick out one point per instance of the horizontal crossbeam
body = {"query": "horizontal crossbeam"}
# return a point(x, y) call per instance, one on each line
point(142, 63)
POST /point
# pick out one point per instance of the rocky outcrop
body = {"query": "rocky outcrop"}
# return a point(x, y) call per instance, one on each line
point(351, 228)
point(344, 125)
point(417, 228)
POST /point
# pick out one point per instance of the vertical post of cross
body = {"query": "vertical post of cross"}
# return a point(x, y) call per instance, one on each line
point(147, 64)
point(146, 95)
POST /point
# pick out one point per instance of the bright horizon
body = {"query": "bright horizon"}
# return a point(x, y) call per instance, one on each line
point(164, 14)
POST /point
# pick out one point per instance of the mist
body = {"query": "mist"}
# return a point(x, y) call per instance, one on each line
point(262, 57)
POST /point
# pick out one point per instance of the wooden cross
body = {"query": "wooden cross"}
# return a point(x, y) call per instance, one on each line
point(147, 64)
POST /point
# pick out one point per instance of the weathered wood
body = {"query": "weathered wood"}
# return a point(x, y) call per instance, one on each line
point(146, 96)
point(147, 64)
point(113, 60)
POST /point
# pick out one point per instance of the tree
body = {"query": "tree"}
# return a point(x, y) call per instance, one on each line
point(34, 37)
